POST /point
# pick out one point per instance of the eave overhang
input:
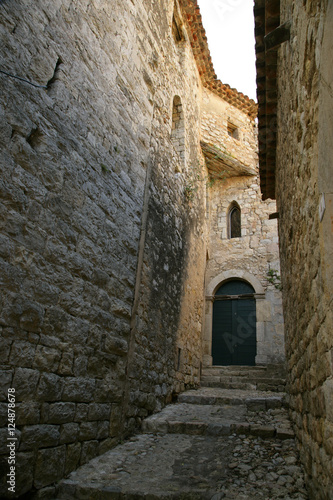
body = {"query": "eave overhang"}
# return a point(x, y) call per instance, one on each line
point(269, 35)
point(220, 164)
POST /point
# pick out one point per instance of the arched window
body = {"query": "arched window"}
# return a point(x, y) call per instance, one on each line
point(234, 221)
point(178, 128)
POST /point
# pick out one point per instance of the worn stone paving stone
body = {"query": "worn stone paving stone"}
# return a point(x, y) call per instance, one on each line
point(220, 420)
point(180, 466)
point(256, 400)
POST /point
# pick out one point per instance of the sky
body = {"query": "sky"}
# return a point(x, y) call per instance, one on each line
point(229, 26)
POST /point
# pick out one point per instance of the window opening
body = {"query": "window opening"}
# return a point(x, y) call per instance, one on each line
point(178, 128)
point(177, 29)
point(234, 220)
point(178, 358)
point(232, 130)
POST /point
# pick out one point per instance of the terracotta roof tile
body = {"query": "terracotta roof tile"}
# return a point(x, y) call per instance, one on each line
point(199, 44)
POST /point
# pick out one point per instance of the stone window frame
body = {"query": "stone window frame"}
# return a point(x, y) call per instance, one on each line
point(230, 230)
point(233, 130)
point(178, 131)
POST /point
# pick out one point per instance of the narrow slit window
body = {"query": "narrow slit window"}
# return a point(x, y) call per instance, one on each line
point(177, 25)
point(178, 128)
point(176, 31)
point(234, 219)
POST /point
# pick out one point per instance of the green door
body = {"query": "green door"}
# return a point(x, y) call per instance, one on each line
point(234, 325)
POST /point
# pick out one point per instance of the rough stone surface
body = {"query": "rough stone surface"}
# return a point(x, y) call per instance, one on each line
point(102, 260)
point(190, 450)
point(303, 182)
point(204, 467)
point(255, 253)
point(104, 226)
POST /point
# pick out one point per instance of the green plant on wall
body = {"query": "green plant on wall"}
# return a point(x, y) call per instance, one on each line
point(104, 168)
point(274, 278)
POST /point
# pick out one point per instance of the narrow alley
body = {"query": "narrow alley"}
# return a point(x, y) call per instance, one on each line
point(230, 439)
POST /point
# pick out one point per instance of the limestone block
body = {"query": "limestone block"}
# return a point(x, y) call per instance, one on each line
point(46, 358)
point(31, 315)
point(260, 331)
point(79, 389)
point(5, 345)
point(50, 387)
point(28, 413)
point(87, 431)
point(25, 383)
point(328, 395)
point(264, 310)
point(68, 433)
point(66, 363)
point(6, 377)
point(81, 413)
point(99, 411)
point(3, 414)
point(328, 437)
point(58, 413)
point(103, 430)
point(115, 345)
point(39, 436)
point(73, 454)
point(108, 391)
point(50, 465)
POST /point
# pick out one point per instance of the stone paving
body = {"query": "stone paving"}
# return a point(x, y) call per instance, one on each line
point(232, 450)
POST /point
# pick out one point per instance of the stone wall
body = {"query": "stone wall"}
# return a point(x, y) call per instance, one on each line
point(100, 321)
point(304, 184)
point(251, 256)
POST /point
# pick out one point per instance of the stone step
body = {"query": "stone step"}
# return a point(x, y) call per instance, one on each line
point(254, 400)
point(254, 372)
point(180, 466)
point(265, 378)
point(239, 370)
point(226, 383)
point(216, 420)
point(249, 385)
point(211, 444)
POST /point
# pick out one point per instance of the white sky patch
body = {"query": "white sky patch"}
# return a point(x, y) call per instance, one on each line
point(229, 26)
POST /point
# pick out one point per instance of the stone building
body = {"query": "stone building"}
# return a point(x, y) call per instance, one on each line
point(294, 48)
point(114, 238)
point(242, 244)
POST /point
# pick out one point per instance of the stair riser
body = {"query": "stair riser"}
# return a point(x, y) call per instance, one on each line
point(201, 429)
point(252, 405)
point(243, 385)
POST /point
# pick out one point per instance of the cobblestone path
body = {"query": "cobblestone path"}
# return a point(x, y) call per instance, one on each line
point(213, 443)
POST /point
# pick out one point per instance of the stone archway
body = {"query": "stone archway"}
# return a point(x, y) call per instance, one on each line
point(259, 296)
point(234, 340)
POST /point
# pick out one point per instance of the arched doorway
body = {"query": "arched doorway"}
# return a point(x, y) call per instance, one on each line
point(234, 324)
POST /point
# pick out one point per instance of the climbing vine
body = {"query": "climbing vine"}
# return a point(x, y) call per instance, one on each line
point(274, 278)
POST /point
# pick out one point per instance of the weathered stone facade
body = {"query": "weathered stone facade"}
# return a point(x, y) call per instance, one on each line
point(104, 223)
point(100, 314)
point(251, 256)
point(303, 179)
